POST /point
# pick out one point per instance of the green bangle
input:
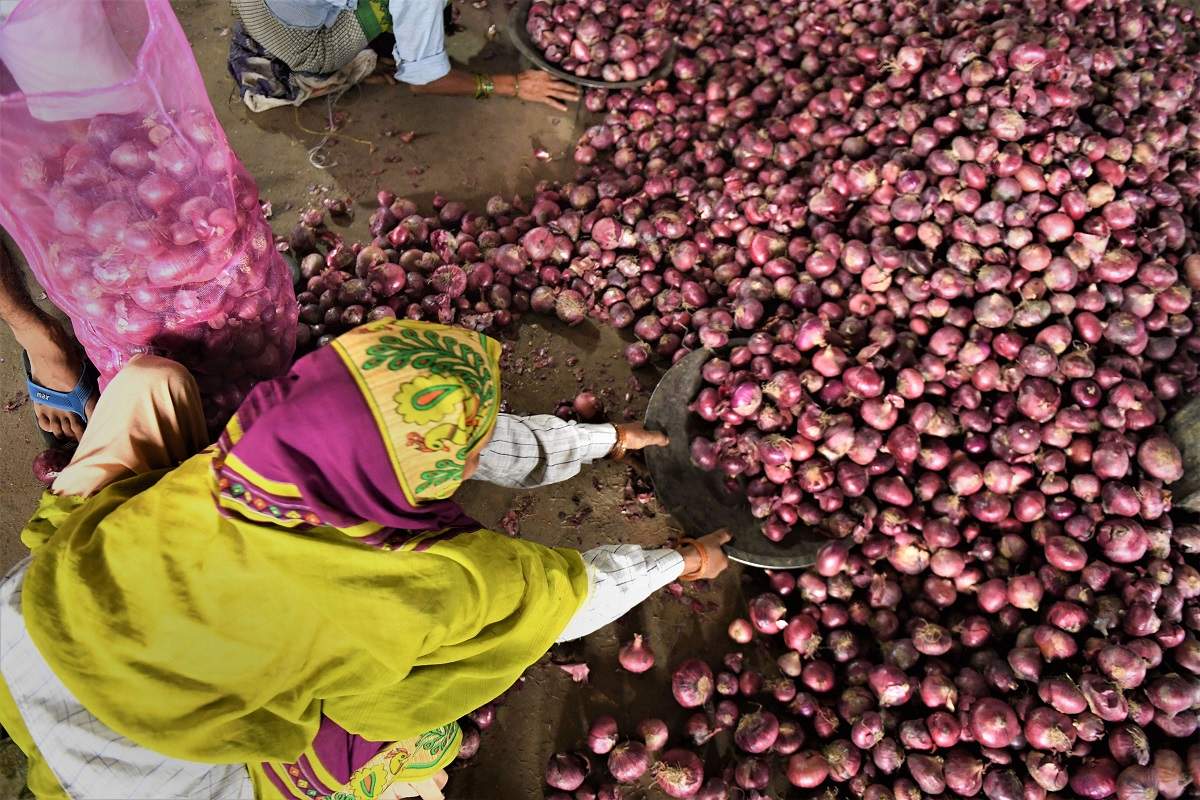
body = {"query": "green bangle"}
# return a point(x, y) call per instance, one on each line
point(484, 86)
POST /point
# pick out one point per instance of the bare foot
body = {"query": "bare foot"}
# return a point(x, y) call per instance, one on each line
point(56, 364)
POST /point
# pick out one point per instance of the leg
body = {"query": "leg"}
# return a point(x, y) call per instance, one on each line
point(53, 357)
point(148, 418)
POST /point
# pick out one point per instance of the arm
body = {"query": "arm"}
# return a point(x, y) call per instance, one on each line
point(525, 452)
point(532, 85)
point(622, 576)
point(29, 324)
point(421, 61)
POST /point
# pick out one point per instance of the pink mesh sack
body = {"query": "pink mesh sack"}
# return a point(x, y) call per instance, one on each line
point(118, 184)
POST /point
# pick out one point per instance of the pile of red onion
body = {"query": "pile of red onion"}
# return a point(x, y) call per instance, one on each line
point(603, 40)
point(943, 257)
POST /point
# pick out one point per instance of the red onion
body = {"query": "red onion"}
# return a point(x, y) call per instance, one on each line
point(740, 630)
point(654, 734)
point(1096, 778)
point(1136, 783)
point(628, 761)
point(49, 463)
point(766, 613)
point(566, 771)
point(993, 723)
point(1047, 729)
point(692, 683)
point(587, 406)
point(963, 773)
point(928, 773)
point(807, 769)
point(756, 732)
point(635, 656)
point(602, 735)
point(1123, 541)
point(1172, 694)
point(1159, 457)
point(679, 773)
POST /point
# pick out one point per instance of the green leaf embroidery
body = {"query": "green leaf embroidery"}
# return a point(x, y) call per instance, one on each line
point(435, 743)
point(445, 470)
point(447, 358)
point(442, 356)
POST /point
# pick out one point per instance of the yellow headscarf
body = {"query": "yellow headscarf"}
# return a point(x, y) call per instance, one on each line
point(434, 393)
point(394, 397)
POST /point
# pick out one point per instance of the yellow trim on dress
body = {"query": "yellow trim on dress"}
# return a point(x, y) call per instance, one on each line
point(233, 429)
point(361, 530)
point(278, 488)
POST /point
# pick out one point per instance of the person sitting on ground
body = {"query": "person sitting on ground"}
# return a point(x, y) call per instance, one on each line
point(286, 51)
point(299, 610)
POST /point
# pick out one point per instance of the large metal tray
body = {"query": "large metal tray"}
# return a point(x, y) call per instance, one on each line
point(698, 499)
point(520, 39)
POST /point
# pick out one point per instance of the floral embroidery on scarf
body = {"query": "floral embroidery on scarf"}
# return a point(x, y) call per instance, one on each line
point(447, 401)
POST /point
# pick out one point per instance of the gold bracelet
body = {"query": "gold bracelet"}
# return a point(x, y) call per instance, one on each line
point(516, 84)
point(700, 570)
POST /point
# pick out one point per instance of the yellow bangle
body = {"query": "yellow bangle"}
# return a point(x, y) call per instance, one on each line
point(516, 84)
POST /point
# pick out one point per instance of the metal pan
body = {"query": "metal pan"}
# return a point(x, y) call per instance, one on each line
point(520, 39)
point(697, 499)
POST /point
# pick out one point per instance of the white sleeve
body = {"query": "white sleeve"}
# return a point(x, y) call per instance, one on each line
point(525, 452)
point(619, 577)
point(420, 33)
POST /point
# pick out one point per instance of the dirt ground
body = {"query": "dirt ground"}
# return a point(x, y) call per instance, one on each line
point(467, 150)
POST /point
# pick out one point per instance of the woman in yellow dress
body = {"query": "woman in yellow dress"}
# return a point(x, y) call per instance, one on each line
point(298, 611)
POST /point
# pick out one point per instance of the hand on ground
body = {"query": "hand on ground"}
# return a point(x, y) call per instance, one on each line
point(538, 87)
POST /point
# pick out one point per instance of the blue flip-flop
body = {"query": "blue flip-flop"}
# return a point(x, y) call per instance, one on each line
point(74, 401)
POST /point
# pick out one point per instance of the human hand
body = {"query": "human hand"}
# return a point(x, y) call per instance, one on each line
point(636, 436)
point(538, 87)
point(704, 558)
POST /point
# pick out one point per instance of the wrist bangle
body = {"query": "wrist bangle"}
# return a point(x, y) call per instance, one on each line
point(484, 86)
point(516, 84)
point(700, 570)
point(618, 449)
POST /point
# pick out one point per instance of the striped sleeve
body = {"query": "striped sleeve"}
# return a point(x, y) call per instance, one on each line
point(525, 452)
point(619, 577)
